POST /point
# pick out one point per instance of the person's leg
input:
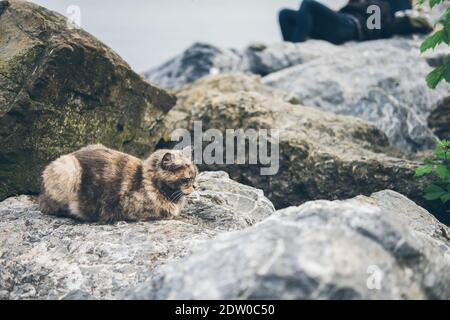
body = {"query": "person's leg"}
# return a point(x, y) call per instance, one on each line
point(287, 20)
point(330, 25)
point(303, 22)
point(296, 26)
point(317, 21)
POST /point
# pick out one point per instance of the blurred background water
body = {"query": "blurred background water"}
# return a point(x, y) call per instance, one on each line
point(146, 33)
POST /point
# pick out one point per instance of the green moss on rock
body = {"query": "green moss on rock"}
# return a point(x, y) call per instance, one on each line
point(61, 89)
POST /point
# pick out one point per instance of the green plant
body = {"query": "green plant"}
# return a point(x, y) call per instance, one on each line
point(439, 167)
point(440, 36)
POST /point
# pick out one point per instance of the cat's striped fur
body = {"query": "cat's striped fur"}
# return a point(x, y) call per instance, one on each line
point(96, 183)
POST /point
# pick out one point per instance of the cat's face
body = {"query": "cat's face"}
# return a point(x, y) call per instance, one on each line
point(175, 169)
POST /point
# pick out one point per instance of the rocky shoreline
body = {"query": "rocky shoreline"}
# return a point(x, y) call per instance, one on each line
point(343, 218)
point(236, 247)
point(379, 81)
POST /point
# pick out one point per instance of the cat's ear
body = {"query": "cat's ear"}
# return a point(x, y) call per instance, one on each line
point(187, 152)
point(167, 160)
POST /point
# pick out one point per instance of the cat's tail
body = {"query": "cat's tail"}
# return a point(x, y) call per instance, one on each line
point(61, 182)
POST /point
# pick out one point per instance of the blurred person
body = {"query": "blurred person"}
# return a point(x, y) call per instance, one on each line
point(314, 20)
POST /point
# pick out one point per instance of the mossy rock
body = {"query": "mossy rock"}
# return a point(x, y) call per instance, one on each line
point(61, 89)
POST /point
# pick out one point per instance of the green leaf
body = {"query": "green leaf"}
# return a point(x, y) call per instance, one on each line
point(434, 40)
point(422, 170)
point(442, 154)
point(440, 73)
point(442, 150)
point(445, 197)
point(442, 171)
point(434, 2)
point(445, 18)
point(434, 192)
point(434, 77)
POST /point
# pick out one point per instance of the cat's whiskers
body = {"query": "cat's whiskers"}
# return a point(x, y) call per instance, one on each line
point(174, 196)
point(179, 195)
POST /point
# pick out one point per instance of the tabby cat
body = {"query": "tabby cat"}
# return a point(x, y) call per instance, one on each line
point(96, 183)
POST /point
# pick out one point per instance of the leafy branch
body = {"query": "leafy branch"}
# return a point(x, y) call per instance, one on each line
point(440, 36)
point(439, 166)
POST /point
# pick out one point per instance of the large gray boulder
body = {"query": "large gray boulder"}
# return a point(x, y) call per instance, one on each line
point(321, 155)
point(199, 60)
point(380, 81)
point(45, 257)
point(202, 59)
point(378, 247)
point(267, 59)
point(60, 89)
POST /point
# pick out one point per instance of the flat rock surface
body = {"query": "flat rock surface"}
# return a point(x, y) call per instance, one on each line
point(44, 257)
point(378, 247)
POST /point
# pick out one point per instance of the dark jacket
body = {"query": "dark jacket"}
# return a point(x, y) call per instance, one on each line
point(358, 10)
point(400, 5)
